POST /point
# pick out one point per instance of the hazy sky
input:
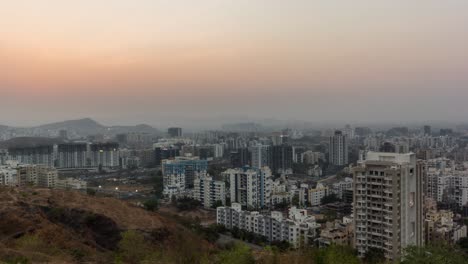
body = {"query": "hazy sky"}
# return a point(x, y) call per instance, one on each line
point(173, 61)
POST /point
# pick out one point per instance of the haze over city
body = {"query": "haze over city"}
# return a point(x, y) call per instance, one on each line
point(234, 131)
point(155, 62)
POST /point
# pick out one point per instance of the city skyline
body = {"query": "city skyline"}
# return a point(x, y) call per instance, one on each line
point(159, 61)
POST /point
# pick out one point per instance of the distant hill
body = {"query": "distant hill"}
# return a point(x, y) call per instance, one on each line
point(143, 128)
point(80, 127)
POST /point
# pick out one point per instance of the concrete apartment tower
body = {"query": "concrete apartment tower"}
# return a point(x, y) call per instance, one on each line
point(388, 203)
point(338, 149)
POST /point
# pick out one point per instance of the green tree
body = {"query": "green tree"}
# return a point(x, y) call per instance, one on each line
point(151, 204)
point(133, 248)
point(374, 255)
point(217, 204)
point(335, 254)
point(240, 254)
point(295, 200)
point(187, 204)
point(90, 192)
point(157, 181)
point(331, 198)
point(437, 254)
point(463, 244)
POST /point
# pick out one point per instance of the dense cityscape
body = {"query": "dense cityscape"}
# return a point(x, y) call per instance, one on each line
point(233, 132)
point(376, 191)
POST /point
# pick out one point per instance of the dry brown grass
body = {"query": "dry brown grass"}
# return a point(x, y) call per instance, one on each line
point(22, 215)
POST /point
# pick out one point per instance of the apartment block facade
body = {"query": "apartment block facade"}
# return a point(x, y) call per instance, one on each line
point(297, 229)
point(388, 203)
point(209, 191)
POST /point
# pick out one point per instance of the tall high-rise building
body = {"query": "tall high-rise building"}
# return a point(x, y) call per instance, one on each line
point(174, 131)
point(250, 187)
point(72, 155)
point(446, 132)
point(260, 156)
point(162, 153)
point(208, 191)
point(349, 131)
point(281, 158)
point(240, 157)
point(41, 155)
point(104, 155)
point(338, 149)
point(427, 130)
point(388, 203)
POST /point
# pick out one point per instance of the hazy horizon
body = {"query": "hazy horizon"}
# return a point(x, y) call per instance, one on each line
point(178, 62)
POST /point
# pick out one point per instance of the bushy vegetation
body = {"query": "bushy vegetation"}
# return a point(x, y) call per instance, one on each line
point(151, 204)
point(248, 236)
point(435, 254)
point(331, 198)
point(239, 254)
point(186, 204)
point(157, 181)
point(137, 247)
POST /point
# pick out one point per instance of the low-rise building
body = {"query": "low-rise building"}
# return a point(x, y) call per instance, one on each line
point(316, 194)
point(439, 226)
point(340, 187)
point(71, 183)
point(298, 229)
point(338, 232)
point(8, 176)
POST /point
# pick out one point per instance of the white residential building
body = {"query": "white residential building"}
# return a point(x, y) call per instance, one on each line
point(37, 175)
point(218, 150)
point(388, 203)
point(260, 156)
point(298, 229)
point(33, 175)
point(8, 176)
point(316, 194)
point(338, 149)
point(251, 187)
point(208, 191)
point(446, 183)
point(179, 173)
point(341, 186)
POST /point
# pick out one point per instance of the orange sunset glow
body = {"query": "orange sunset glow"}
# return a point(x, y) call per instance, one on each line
point(163, 58)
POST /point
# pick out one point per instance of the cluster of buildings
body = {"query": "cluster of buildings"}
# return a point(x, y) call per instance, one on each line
point(179, 174)
point(77, 155)
point(390, 207)
point(17, 175)
point(298, 228)
point(393, 188)
point(439, 225)
point(447, 183)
